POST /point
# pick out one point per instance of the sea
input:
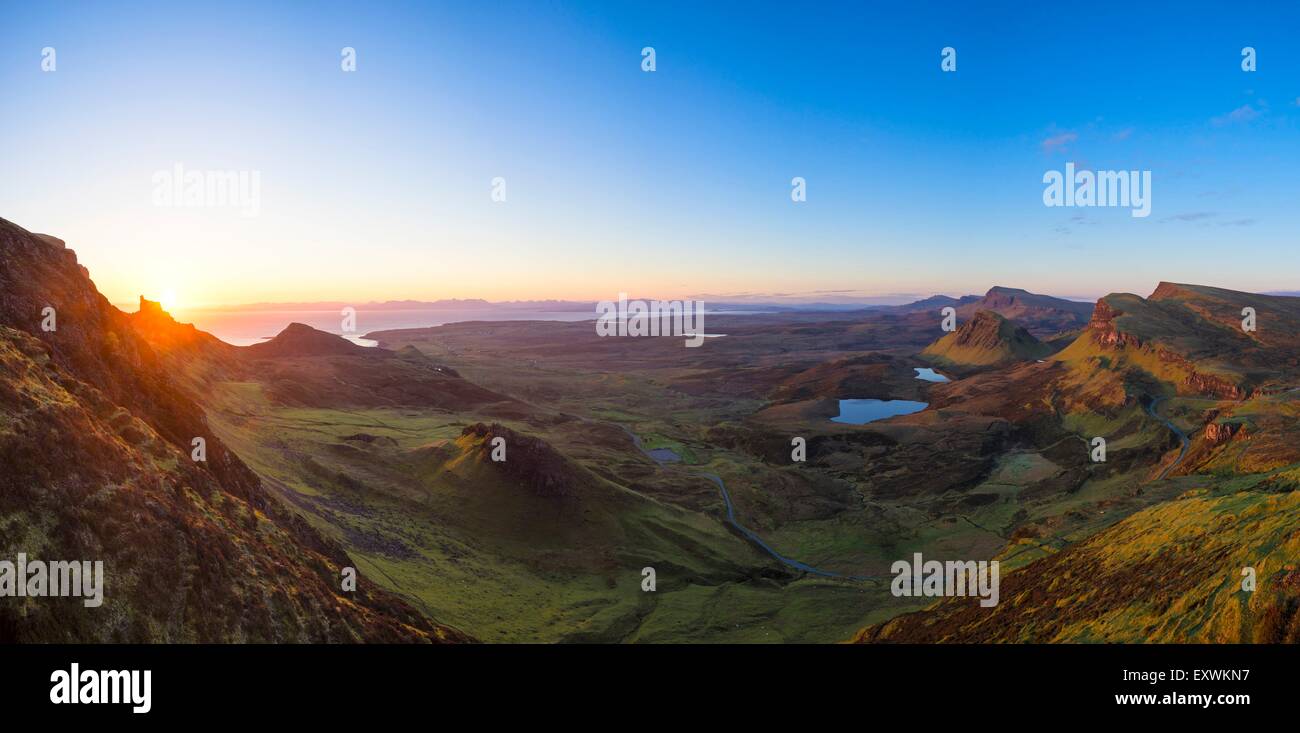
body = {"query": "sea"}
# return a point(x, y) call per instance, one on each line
point(246, 327)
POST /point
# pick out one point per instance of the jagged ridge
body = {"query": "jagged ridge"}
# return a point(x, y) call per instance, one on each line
point(95, 441)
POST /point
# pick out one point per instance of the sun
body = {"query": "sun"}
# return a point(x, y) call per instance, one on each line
point(168, 300)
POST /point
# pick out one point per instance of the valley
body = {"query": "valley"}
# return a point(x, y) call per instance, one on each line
point(996, 468)
point(766, 514)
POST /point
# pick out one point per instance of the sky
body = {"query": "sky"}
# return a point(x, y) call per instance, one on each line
point(377, 184)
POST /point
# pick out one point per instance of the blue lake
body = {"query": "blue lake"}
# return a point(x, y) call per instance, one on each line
point(664, 455)
point(861, 412)
point(929, 374)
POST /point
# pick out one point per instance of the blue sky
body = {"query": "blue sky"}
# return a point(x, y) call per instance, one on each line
point(376, 184)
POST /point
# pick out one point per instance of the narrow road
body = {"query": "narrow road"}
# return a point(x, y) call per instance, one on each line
point(1151, 409)
point(797, 565)
point(749, 533)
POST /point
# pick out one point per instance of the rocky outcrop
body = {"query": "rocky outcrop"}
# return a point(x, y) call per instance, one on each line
point(1206, 384)
point(530, 461)
point(986, 340)
point(1216, 433)
point(98, 457)
point(1042, 315)
point(1103, 329)
point(166, 336)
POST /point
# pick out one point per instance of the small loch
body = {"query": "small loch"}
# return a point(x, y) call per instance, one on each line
point(664, 455)
point(861, 412)
point(929, 374)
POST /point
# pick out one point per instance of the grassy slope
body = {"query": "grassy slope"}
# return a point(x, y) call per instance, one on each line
point(864, 536)
point(987, 340)
point(1170, 573)
point(460, 544)
point(459, 547)
point(184, 560)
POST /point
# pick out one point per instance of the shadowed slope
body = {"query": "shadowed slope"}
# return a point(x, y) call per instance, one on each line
point(95, 444)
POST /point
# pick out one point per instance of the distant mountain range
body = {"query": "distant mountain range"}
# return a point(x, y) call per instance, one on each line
point(1010, 297)
point(1041, 315)
point(444, 304)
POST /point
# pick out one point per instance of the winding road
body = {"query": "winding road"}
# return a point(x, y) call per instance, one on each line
point(1151, 410)
point(752, 536)
point(749, 533)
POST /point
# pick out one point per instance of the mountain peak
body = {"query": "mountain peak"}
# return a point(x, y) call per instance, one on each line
point(1166, 290)
point(151, 307)
point(1188, 291)
point(302, 329)
point(92, 410)
point(165, 334)
point(299, 339)
point(51, 240)
point(1041, 315)
point(987, 329)
point(984, 319)
point(534, 462)
point(986, 339)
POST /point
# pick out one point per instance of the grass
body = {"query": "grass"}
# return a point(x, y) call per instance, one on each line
point(464, 549)
point(809, 610)
point(425, 520)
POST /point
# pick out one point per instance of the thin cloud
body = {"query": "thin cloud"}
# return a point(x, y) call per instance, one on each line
point(1244, 113)
point(1190, 216)
point(1058, 142)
